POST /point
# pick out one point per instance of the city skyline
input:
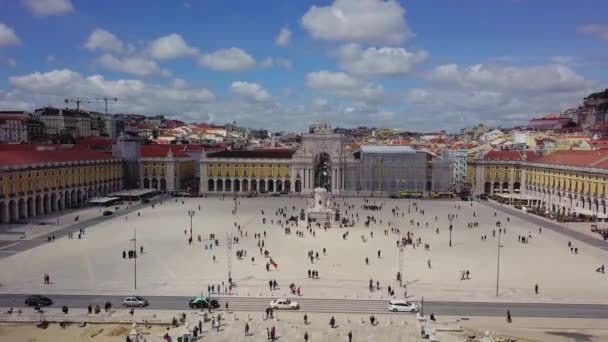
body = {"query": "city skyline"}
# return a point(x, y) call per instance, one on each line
point(281, 66)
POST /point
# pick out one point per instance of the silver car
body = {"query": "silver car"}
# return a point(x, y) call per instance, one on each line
point(135, 301)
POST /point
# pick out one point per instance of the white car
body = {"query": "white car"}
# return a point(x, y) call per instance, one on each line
point(284, 304)
point(397, 305)
point(135, 301)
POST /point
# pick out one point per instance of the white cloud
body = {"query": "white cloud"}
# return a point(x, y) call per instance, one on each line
point(134, 95)
point(496, 95)
point(136, 65)
point(179, 83)
point(284, 37)
point(384, 61)
point(232, 59)
point(50, 59)
point(343, 85)
point(545, 78)
point(276, 62)
point(8, 37)
point(597, 31)
point(250, 91)
point(10, 62)
point(103, 40)
point(364, 21)
point(170, 47)
point(45, 8)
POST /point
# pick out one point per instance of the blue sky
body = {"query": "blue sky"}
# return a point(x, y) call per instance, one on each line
point(415, 64)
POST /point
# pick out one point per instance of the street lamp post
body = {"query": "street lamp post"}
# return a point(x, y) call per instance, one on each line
point(450, 217)
point(401, 266)
point(498, 262)
point(134, 239)
point(191, 214)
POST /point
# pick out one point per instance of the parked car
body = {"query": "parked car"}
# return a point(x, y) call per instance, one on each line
point(284, 304)
point(108, 213)
point(38, 300)
point(397, 305)
point(203, 302)
point(135, 301)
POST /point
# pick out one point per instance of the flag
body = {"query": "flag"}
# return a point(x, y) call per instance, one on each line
point(273, 263)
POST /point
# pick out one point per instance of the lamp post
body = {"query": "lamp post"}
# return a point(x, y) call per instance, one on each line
point(191, 214)
point(498, 262)
point(450, 217)
point(401, 266)
point(134, 239)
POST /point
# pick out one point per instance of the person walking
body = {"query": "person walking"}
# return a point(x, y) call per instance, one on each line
point(306, 319)
point(509, 320)
point(536, 288)
point(350, 336)
point(273, 333)
point(246, 329)
point(306, 336)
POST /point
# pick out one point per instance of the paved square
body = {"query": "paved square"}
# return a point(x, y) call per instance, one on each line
point(170, 266)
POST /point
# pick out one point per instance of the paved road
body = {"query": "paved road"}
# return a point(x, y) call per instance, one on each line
point(595, 242)
point(352, 306)
point(13, 247)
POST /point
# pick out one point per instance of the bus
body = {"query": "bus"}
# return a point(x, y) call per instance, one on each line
point(410, 194)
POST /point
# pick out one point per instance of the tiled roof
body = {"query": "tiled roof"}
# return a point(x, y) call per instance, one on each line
point(597, 158)
point(261, 153)
point(161, 151)
point(32, 157)
point(510, 155)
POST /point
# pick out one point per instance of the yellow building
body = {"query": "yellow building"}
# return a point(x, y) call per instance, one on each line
point(35, 182)
point(563, 183)
point(264, 171)
point(166, 168)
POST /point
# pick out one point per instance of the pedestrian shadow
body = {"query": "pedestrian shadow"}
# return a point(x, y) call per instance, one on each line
point(506, 291)
point(571, 335)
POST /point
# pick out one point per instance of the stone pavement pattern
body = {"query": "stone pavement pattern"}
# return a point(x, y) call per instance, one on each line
point(170, 266)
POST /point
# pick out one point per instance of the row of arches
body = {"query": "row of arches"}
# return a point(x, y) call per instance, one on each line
point(21, 208)
point(253, 185)
point(504, 187)
point(155, 183)
point(564, 203)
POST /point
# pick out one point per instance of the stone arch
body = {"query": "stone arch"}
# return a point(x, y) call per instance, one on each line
point(146, 183)
point(254, 185)
point(155, 183)
point(279, 185)
point(67, 199)
point(298, 186)
point(3, 217)
point(517, 186)
point(322, 171)
point(210, 185)
point(74, 198)
point(228, 185)
point(54, 202)
point(270, 185)
point(488, 188)
point(219, 185)
point(237, 185)
point(22, 209)
point(603, 206)
point(39, 205)
point(262, 186)
point(13, 211)
point(163, 185)
point(505, 186)
point(287, 186)
point(496, 186)
point(46, 203)
point(245, 185)
point(31, 208)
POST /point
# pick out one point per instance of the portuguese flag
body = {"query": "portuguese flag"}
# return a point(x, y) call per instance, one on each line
point(273, 263)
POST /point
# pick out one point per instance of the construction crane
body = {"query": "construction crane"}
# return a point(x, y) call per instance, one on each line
point(77, 100)
point(106, 99)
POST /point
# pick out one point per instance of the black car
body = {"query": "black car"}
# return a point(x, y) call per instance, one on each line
point(203, 302)
point(107, 213)
point(38, 300)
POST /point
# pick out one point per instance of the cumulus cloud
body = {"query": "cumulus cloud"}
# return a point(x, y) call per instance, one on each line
point(136, 65)
point(282, 63)
point(597, 31)
point(343, 85)
point(544, 78)
point(103, 40)
point(134, 95)
point(496, 95)
point(8, 37)
point(384, 61)
point(232, 59)
point(284, 37)
point(363, 21)
point(250, 91)
point(45, 8)
point(170, 47)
